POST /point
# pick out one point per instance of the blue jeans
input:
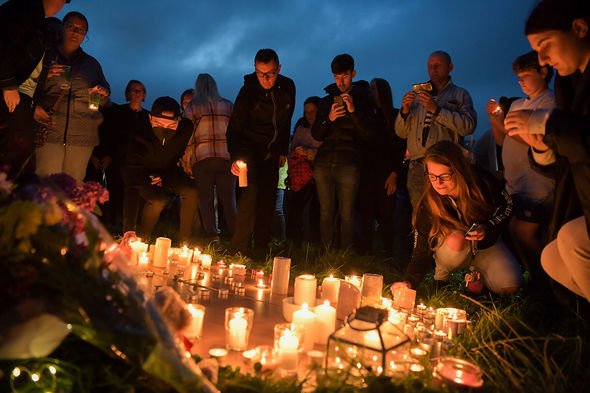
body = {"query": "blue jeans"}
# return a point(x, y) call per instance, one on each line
point(336, 182)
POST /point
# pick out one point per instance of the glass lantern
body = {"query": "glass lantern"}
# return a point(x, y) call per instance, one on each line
point(368, 343)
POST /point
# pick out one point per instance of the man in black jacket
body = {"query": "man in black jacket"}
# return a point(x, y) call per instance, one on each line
point(152, 168)
point(344, 122)
point(21, 52)
point(258, 135)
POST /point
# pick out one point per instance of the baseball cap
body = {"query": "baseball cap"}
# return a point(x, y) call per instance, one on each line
point(166, 104)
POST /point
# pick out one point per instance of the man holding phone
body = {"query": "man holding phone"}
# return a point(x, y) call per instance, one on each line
point(431, 112)
point(344, 122)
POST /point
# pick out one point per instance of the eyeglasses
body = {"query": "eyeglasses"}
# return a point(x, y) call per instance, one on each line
point(445, 177)
point(75, 29)
point(267, 75)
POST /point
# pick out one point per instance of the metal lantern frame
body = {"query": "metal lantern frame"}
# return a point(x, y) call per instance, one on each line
point(353, 335)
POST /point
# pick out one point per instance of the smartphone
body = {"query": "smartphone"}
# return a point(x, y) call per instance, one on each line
point(418, 87)
point(338, 100)
point(472, 228)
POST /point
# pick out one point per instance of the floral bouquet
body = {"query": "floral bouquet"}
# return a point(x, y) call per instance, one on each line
point(69, 303)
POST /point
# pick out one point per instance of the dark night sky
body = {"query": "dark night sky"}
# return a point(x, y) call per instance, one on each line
point(167, 43)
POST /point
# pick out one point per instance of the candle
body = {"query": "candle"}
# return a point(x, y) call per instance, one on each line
point(261, 284)
point(137, 248)
point(458, 372)
point(372, 340)
point(330, 289)
point(288, 350)
point(354, 280)
point(196, 255)
point(305, 290)
point(306, 321)
point(184, 256)
point(143, 259)
point(325, 322)
point(161, 251)
point(237, 270)
point(243, 176)
point(195, 328)
point(372, 288)
point(217, 353)
point(238, 323)
point(280, 275)
point(206, 261)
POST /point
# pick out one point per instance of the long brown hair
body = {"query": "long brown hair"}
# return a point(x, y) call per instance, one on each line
point(470, 203)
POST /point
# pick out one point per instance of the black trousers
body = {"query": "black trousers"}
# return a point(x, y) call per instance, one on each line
point(256, 205)
point(303, 212)
point(16, 137)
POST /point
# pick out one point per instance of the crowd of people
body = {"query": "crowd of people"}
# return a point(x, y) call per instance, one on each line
point(336, 179)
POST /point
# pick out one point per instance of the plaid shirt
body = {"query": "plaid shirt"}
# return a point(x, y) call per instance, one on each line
point(210, 125)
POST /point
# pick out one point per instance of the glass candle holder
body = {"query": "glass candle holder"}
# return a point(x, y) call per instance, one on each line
point(195, 329)
point(238, 325)
point(288, 342)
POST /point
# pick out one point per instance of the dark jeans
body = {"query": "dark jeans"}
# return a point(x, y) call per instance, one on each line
point(212, 176)
point(300, 218)
point(336, 182)
point(375, 204)
point(157, 197)
point(256, 205)
point(16, 136)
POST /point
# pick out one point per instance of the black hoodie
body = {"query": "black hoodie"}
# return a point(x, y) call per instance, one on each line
point(260, 123)
point(342, 139)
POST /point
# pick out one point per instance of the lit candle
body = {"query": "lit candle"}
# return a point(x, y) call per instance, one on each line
point(143, 259)
point(243, 176)
point(330, 289)
point(287, 350)
point(196, 255)
point(161, 251)
point(260, 284)
point(237, 270)
point(354, 280)
point(372, 340)
point(325, 322)
point(195, 328)
point(237, 338)
point(206, 261)
point(137, 248)
point(305, 289)
point(306, 321)
point(184, 256)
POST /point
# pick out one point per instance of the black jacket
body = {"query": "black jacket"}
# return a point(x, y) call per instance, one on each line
point(501, 206)
point(149, 155)
point(21, 40)
point(260, 123)
point(567, 132)
point(342, 139)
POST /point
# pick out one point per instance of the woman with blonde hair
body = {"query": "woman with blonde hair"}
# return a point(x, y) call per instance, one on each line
point(458, 221)
point(206, 157)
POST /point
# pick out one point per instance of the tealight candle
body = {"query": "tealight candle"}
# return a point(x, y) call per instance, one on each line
point(325, 322)
point(218, 353)
point(305, 289)
point(330, 289)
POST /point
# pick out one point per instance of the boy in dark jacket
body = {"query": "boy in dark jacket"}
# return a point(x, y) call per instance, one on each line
point(258, 135)
point(152, 168)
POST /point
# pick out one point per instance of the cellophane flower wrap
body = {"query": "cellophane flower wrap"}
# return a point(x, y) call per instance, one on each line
point(63, 278)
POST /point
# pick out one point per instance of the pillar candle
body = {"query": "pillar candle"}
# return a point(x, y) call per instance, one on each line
point(305, 289)
point(243, 176)
point(330, 288)
point(287, 350)
point(195, 328)
point(372, 288)
point(325, 322)
point(306, 321)
point(280, 275)
point(161, 251)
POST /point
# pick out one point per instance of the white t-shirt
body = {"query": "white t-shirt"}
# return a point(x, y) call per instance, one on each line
point(520, 177)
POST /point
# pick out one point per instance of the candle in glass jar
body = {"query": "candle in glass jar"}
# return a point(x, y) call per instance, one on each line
point(143, 259)
point(305, 289)
point(306, 321)
point(195, 328)
point(137, 248)
point(196, 255)
point(288, 350)
point(184, 256)
point(206, 261)
point(325, 322)
point(237, 337)
point(330, 289)
point(161, 251)
point(354, 280)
